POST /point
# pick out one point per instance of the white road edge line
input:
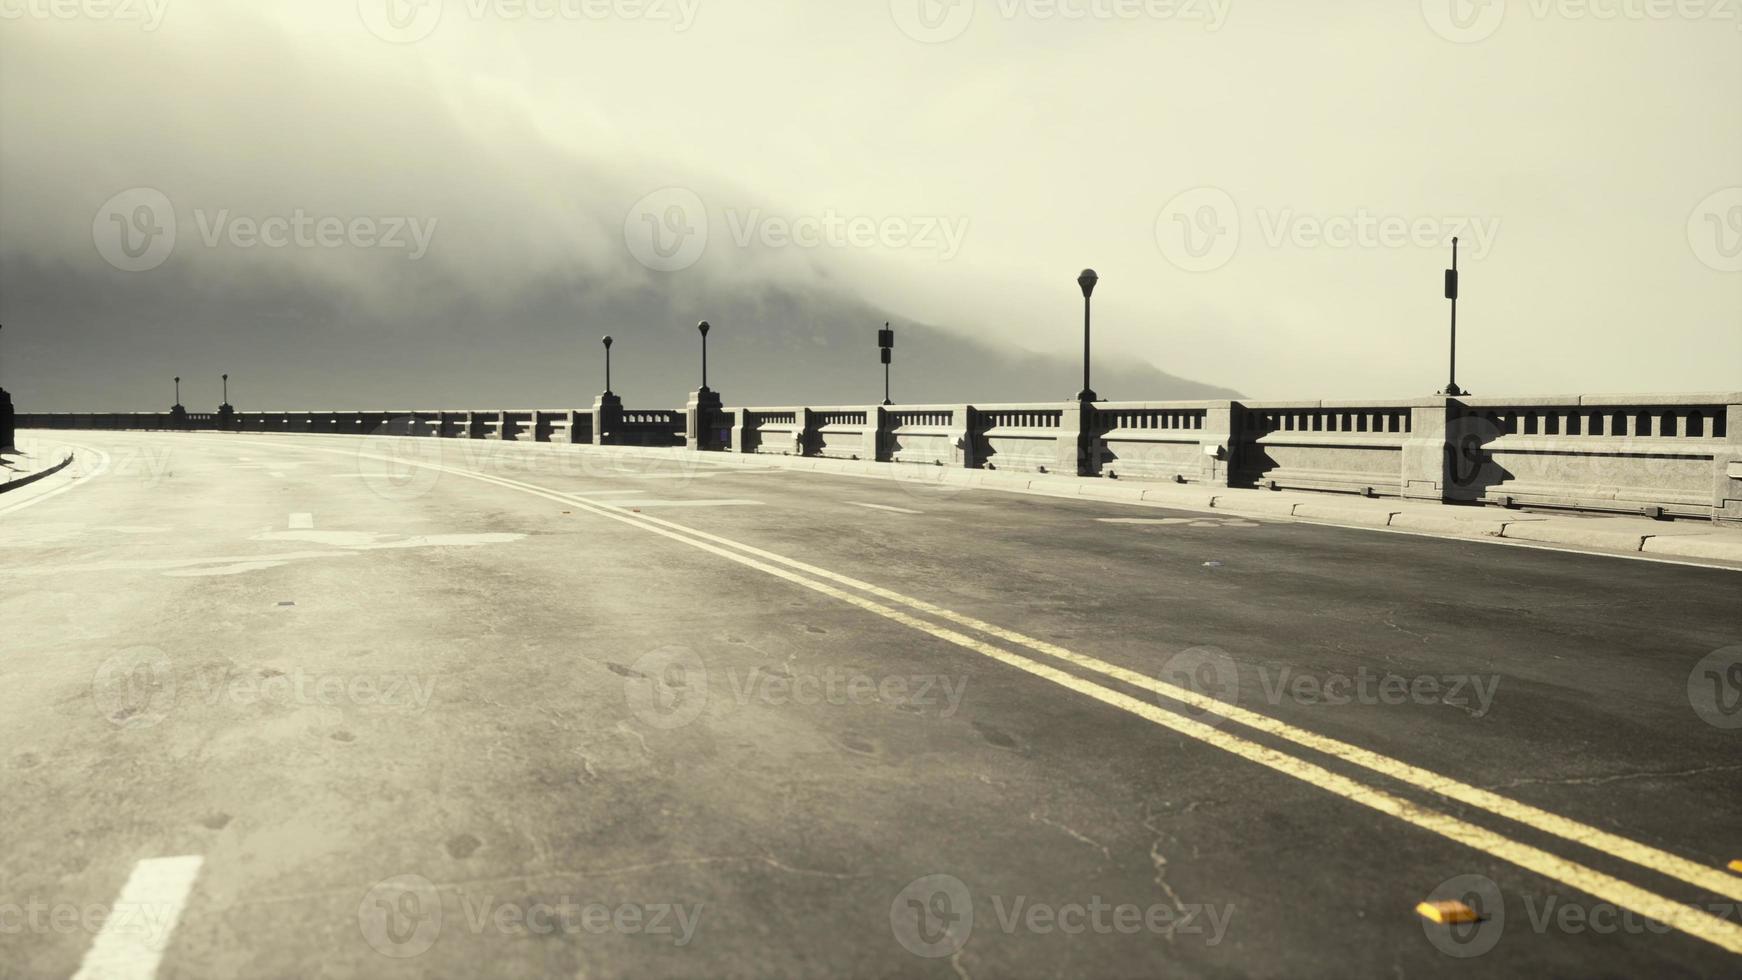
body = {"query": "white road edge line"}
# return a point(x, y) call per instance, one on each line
point(133, 938)
point(898, 510)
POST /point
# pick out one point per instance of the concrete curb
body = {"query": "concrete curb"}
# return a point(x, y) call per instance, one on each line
point(30, 478)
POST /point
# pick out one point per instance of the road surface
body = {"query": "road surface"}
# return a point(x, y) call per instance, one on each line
point(342, 707)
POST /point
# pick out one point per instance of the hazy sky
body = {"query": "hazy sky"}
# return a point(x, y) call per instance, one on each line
point(1267, 188)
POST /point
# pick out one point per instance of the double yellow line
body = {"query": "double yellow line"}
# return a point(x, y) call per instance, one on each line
point(893, 605)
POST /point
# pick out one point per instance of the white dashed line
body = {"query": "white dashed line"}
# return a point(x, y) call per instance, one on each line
point(302, 522)
point(133, 938)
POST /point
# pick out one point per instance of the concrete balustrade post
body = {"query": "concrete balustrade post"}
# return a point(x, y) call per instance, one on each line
point(699, 413)
point(607, 419)
point(1216, 443)
point(1070, 451)
point(1727, 467)
point(963, 425)
point(878, 434)
point(740, 421)
point(1427, 452)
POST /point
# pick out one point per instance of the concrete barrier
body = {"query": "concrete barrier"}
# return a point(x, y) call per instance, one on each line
point(1662, 455)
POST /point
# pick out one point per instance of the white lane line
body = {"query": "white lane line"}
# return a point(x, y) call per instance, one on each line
point(276, 474)
point(302, 522)
point(133, 938)
point(898, 510)
point(683, 503)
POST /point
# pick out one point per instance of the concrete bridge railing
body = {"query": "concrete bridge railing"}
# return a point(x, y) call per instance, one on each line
point(1663, 455)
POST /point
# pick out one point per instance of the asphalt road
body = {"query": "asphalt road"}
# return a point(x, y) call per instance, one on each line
point(420, 708)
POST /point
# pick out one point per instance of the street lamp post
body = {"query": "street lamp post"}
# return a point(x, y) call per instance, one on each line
point(226, 411)
point(178, 394)
point(607, 407)
point(702, 413)
point(1452, 388)
point(177, 414)
point(1087, 281)
point(886, 344)
point(703, 329)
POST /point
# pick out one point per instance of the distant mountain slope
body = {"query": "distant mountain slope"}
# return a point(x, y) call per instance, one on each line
point(83, 341)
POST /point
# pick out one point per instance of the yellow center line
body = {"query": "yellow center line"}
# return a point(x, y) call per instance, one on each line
point(1694, 922)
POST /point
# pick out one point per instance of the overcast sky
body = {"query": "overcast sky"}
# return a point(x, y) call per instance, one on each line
point(1268, 188)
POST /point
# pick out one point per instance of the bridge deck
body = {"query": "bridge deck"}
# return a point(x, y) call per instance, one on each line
point(762, 705)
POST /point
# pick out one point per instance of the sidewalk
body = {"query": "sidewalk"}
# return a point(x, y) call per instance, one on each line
point(1600, 533)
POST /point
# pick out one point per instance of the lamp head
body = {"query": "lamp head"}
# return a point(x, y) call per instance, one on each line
point(1087, 280)
point(606, 341)
point(703, 327)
